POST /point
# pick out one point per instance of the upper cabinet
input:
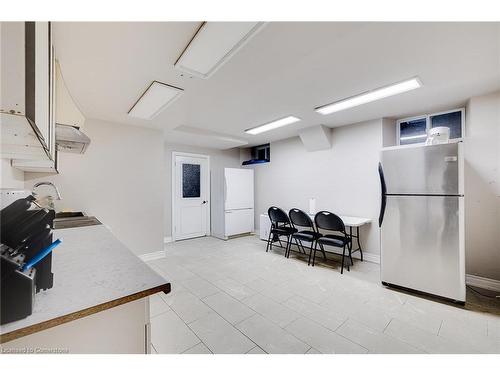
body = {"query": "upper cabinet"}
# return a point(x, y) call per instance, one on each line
point(12, 67)
point(34, 98)
point(28, 91)
point(38, 78)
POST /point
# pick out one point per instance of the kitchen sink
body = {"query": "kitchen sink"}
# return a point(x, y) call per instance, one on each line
point(65, 220)
point(61, 215)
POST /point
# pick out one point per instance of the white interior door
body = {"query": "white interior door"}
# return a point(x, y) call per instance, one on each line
point(191, 206)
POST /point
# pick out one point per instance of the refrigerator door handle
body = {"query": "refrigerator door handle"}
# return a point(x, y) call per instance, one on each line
point(383, 191)
point(225, 190)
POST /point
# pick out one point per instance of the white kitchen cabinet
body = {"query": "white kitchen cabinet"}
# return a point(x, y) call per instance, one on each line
point(19, 140)
point(45, 112)
point(42, 89)
point(12, 67)
point(124, 329)
point(28, 96)
point(45, 166)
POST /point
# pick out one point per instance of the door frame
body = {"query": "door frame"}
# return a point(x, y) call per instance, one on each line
point(207, 182)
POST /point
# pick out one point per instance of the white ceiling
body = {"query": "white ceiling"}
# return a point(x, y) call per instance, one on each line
point(286, 69)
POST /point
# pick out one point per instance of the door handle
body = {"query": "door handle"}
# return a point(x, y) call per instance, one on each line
point(225, 190)
point(383, 191)
point(204, 202)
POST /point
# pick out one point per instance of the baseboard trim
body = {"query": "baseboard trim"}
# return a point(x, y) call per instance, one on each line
point(482, 282)
point(152, 256)
point(167, 239)
point(370, 257)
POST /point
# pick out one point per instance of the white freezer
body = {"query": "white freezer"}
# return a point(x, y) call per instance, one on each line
point(239, 221)
point(238, 188)
point(238, 201)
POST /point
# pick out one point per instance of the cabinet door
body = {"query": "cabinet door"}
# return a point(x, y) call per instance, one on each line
point(52, 96)
point(42, 80)
point(45, 129)
point(12, 67)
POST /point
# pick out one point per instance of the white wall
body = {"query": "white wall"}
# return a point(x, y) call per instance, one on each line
point(343, 179)
point(11, 178)
point(119, 180)
point(389, 132)
point(219, 159)
point(482, 186)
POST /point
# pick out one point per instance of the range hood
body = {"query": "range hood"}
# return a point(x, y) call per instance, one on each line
point(71, 139)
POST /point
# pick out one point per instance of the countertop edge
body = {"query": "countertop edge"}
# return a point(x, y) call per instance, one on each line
point(21, 332)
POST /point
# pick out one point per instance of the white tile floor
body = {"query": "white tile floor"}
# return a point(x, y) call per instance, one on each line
point(233, 297)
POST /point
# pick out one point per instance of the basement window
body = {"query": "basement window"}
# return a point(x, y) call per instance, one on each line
point(259, 154)
point(414, 130)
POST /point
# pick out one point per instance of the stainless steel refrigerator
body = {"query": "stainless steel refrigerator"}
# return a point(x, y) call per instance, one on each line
point(422, 219)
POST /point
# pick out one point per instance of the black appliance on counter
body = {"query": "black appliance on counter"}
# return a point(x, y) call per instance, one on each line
point(26, 265)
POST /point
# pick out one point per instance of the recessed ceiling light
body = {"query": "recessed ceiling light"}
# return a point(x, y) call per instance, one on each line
point(213, 44)
point(156, 98)
point(272, 125)
point(370, 96)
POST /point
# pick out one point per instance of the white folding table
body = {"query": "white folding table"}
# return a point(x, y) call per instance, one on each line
point(349, 221)
point(353, 222)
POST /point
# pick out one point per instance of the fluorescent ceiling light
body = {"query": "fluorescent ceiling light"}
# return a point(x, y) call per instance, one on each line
point(156, 98)
point(273, 125)
point(213, 44)
point(370, 96)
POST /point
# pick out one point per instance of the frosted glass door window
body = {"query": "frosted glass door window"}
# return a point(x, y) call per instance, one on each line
point(191, 181)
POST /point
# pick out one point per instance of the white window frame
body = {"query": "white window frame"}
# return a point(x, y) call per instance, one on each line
point(398, 126)
point(427, 118)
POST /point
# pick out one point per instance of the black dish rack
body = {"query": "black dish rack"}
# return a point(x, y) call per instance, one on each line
point(25, 230)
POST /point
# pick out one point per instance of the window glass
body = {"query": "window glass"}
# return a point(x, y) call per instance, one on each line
point(261, 154)
point(452, 120)
point(190, 180)
point(413, 131)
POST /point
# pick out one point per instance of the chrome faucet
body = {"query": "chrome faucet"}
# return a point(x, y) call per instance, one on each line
point(58, 195)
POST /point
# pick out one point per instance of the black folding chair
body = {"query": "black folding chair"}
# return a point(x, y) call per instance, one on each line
point(302, 220)
point(280, 226)
point(331, 222)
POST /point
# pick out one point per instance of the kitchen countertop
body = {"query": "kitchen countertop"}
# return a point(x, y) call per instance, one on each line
point(93, 271)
